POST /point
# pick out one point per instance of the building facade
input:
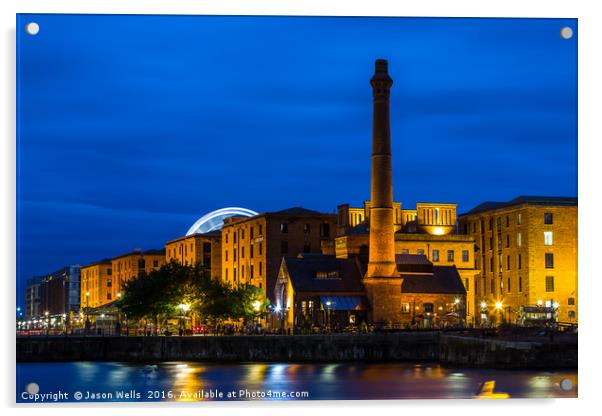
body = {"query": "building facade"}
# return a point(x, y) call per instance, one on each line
point(32, 297)
point(204, 249)
point(96, 284)
point(130, 265)
point(253, 247)
point(60, 292)
point(527, 256)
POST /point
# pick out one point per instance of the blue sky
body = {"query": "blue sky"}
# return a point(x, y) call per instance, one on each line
point(132, 127)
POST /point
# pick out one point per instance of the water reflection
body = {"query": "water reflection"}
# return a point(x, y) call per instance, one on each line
point(191, 381)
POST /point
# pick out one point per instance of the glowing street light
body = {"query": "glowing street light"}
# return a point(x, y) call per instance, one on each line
point(483, 305)
point(183, 308)
point(539, 302)
point(256, 305)
point(499, 305)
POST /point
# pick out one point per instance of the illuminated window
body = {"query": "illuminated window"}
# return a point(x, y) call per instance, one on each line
point(519, 239)
point(519, 219)
point(548, 238)
point(405, 308)
point(435, 255)
point(465, 257)
point(428, 307)
point(450, 256)
point(436, 215)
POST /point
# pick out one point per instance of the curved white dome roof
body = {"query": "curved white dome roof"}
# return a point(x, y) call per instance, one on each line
point(215, 219)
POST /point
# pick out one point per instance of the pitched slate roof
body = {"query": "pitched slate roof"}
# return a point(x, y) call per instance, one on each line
point(444, 280)
point(303, 271)
point(297, 211)
point(413, 263)
point(525, 199)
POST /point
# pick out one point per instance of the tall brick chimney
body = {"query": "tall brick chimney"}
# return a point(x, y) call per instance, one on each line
point(382, 239)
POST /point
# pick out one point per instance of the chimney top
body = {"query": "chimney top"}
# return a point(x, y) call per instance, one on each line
point(382, 65)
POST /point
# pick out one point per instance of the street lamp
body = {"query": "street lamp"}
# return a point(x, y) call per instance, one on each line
point(328, 303)
point(47, 315)
point(183, 308)
point(498, 307)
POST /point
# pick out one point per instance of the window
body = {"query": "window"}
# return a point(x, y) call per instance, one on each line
point(450, 256)
point(507, 221)
point(226, 274)
point(491, 264)
point(519, 219)
point(519, 239)
point(242, 252)
point(109, 283)
point(260, 249)
point(548, 238)
point(520, 284)
point(306, 228)
point(549, 260)
point(226, 255)
point(109, 272)
point(405, 308)
point(490, 224)
point(227, 237)
point(490, 243)
point(519, 262)
point(548, 218)
point(284, 228)
point(465, 258)
point(571, 301)
point(260, 229)
point(251, 272)
point(242, 236)
point(507, 262)
point(420, 252)
point(428, 307)
point(549, 283)
point(141, 264)
point(234, 254)
point(508, 287)
point(507, 241)
point(334, 274)
point(466, 284)
point(571, 314)
point(404, 251)
point(307, 248)
point(155, 263)
point(326, 230)
point(251, 251)
point(493, 286)
point(284, 247)
point(260, 268)
point(109, 296)
point(435, 255)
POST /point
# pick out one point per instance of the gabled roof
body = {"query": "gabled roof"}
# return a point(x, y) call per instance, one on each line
point(413, 263)
point(525, 199)
point(297, 211)
point(443, 280)
point(303, 271)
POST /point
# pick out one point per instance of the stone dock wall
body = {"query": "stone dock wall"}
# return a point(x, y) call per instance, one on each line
point(450, 350)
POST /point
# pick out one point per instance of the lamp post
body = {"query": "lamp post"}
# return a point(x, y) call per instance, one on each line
point(183, 308)
point(498, 307)
point(256, 308)
point(47, 315)
point(328, 315)
point(483, 312)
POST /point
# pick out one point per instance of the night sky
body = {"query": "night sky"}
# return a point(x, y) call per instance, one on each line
point(132, 127)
